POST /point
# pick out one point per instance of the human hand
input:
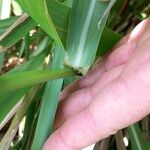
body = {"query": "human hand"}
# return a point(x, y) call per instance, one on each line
point(112, 96)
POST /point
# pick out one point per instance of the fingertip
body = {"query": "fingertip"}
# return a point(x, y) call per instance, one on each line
point(139, 30)
point(55, 142)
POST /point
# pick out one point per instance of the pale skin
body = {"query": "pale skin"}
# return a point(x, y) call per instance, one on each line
point(112, 96)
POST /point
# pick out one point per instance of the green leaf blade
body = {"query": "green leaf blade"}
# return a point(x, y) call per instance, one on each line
point(39, 12)
point(26, 79)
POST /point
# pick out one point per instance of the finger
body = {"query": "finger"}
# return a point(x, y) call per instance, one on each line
point(141, 32)
point(79, 100)
point(114, 108)
point(118, 57)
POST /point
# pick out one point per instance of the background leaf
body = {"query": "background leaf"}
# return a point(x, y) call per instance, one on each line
point(39, 12)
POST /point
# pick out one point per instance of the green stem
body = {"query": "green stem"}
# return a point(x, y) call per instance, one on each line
point(49, 102)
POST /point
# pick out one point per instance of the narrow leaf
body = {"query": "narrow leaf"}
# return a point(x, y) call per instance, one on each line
point(136, 138)
point(9, 101)
point(9, 136)
point(39, 12)
point(13, 82)
point(59, 14)
point(49, 103)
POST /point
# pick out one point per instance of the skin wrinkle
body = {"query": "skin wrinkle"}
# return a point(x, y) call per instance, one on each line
point(129, 87)
point(142, 61)
point(96, 125)
point(58, 140)
point(110, 105)
point(120, 56)
point(86, 93)
point(106, 78)
point(93, 127)
point(92, 120)
point(62, 139)
point(63, 114)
